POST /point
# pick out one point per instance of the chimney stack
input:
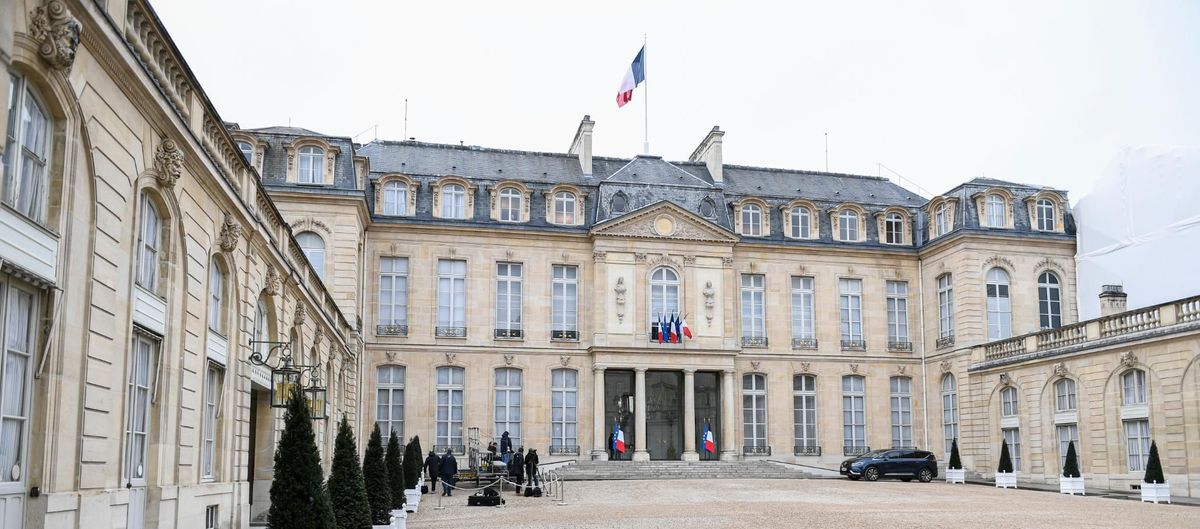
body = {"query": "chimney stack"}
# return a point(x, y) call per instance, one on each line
point(709, 152)
point(1112, 300)
point(582, 145)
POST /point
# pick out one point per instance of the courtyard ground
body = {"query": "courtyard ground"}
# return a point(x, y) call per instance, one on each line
point(769, 504)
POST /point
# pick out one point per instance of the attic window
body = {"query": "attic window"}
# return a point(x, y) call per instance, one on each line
point(708, 210)
point(619, 203)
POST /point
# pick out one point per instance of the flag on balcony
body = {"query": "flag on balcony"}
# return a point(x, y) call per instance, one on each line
point(673, 330)
point(618, 443)
point(684, 328)
point(664, 329)
point(709, 442)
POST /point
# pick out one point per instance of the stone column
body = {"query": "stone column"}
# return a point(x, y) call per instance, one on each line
point(689, 416)
point(599, 429)
point(639, 438)
point(728, 418)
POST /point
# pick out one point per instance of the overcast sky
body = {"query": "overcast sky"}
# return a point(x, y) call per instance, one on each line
point(1041, 92)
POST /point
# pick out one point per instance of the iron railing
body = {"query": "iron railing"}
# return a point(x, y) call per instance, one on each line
point(804, 343)
point(509, 333)
point(807, 450)
point(754, 341)
point(756, 450)
point(565, 335)
point(391, 330)
point(945, 341)
point(457, 450)
point(854, 345)
point(564, 450)
point(450, 332)
point(855, 450)
point(900, 346)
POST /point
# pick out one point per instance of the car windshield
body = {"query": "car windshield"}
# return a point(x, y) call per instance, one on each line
point(876, 453)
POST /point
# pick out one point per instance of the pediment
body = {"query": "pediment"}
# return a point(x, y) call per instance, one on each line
point(664, 220)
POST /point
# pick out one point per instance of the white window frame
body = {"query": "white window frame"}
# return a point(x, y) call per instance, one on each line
point(307, 240)
point(854, 412)
point(804, 406)
point(754, 410)
point(508, 204)
point(999, 304)
point(994, 206)
point(949, 410)
point(507, 404)
point(454, 201)
point(216, 295)
point(395, 198)
point(803, 308)
point(664, 294)
point(1065, 396)
point(247, 151)
point(1045, 214)
point(390, 382)
point(310, 168)
point(1137, 443)
point(1049, 300)
point(509, 293)
point(941, 220)
point(945, 286)
point(565, 210)
point(565, 298)
point(752, 220)
point(1009, 402)
point(27, 152)
point(897, 311)
point(452, 295)
point(1012, 437)
point(449, 414)
point(902, 421)
point(213, 387)
point(848, 225)
point(753, 289)
point(801, 223)
point(893, 228)
point(139, 413)
point(19, 310)
point(564, 408)
point(393, 290)
point(1067, 433)
point(1133, 388)
point(850, 308)
point(150, 238)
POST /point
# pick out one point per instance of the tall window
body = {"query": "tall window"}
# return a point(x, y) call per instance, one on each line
point(564, 207)
point(751, 220)
point(1012, 437)
point(753, 292)
point(999, 306)
point(1008, 402)
point(801, 223)
point(1045, 215)
point(945, 286)
point(310, 165)
point(389, 399)
point(452, 297)
point(564, 427)
point(893, 228)
point(941, 220)
point(664, 293)
point(216, 302)
point(261, 334)
point(140, 393)
point(1049, 301)
point(854, 413)
point(902, 432)
point(897, 307)
point(449, 407)
point(247, 151)
point(454, 202)
point(1064, 395)
point(26, 152)
point(393, 291)
point(804, 403)
point(508, 300)
point(851, 309)
point(510, 205)
point(1133, 387)
point(565, 302)
point(1067, 433)
point(848, 225)
point(313, 247)
point(949, 410)
point(18, 337)
point(212, 411)
point(149, 242)
point(754, 410)
point(803, 320)
point(1137, 443)
point(508, 404)
point(395, 198)
point(994, 204)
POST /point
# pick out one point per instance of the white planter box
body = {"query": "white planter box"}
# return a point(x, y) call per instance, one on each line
point(1156, 492)
point(1071, 486)
point(1006, 480)
point(412, 499)
point(399, 519)
point(956, 475)
point(388, 526)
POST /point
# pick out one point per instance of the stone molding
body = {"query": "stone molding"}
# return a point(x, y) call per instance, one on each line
point(168, 163)
point(56, 32)
point(231, 231)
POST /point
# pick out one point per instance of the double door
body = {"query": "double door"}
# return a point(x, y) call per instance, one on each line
point(18, 333)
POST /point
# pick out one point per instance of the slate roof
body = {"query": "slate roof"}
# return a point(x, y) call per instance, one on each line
point(275, 158)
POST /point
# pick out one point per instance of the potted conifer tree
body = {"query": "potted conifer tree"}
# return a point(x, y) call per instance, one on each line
point(412, 473)
point(1071, 482)
point(379, 489)
point(1005, 477)
point(347, 491)
point(1154, 486)
point(298, 496)
point(395, 469)
point(954, 468)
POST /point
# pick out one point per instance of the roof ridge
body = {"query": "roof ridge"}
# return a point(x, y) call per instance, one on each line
point(805, 171)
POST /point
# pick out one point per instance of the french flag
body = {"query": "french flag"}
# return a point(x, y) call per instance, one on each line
point(710, 443)
point(633, 77)
point(687, 331)
point(618, 438)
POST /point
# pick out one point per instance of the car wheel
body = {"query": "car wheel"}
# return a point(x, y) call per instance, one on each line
point(872, 474)
point(925, 475)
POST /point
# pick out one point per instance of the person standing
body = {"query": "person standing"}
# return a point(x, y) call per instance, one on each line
point(433, 468)
point(516, 471)
point(505, 447)
point(531, 468)
point(449, 471)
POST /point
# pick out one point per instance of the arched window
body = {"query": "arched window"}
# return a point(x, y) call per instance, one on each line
point(389, 400)
point(564, 207)
point(449, 418)
point(313, 247)
point(854, 415)
point(619, 203)
point(941, 220)
point(510, 205)
point(1049, 301)
point(664, 293)
point(508, 404)
point(149, 243)
point(708, 209)
point(945, 286)
point(564, 425)
point(1008, 402)
point(247, 151)
point(999, 306)
point(751, 220)
point(804, 402)
point(395, 198)
point(454, 202)
point(949, 410)
point(26, 152)
point(901, 397)
point(893, 228)
point(310, 165)
point(1064, 395)
point(216, 298)
point(801, 223)
point(994, 205)
point(754, 412)
point(1133, 387)
point(1045, 214)
point(848, 225)
point(1136, 421)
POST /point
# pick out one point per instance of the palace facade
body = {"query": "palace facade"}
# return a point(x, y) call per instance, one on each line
point(150, 250)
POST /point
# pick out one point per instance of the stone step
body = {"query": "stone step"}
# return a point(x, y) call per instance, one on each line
point(666, 470)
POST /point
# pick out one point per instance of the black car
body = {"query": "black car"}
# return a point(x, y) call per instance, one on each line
point(901, 462)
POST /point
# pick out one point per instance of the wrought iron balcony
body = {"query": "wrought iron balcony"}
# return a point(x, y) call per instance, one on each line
point(900, 346)
point(854, 345)
point(804, 343)
point(564, 450)
point(754, 341)
point(457, 450)
point(450, 332)
point(509, 333)
point(807, 450)
point(855, 450)
point(570, 336)
point(756, 450)
point(945, 341)
point(391, 330)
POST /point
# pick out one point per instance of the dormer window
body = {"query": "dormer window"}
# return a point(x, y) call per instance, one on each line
point(800, 225)
point(752, 220)
point(509, 205)
point(941, 220)
point(247, 151)
point(995, 215)
point(395, 198)
point(848, 225)
point(310, 165)
point(708, 209)
point(454, 202)
point(619, 203)
point(564, 208)
point(893, 228)
point(1045, 214)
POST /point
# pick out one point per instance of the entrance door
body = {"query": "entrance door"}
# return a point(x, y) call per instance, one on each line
point(708, 412)
point(619, 411)
point(138, 425)
point(664, 414)
point(18, 309)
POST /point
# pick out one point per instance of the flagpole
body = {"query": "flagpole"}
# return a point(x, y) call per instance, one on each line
point(646, 107)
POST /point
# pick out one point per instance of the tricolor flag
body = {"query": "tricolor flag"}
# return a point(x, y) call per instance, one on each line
point(618, 444)
point(633, 77)
point(685, 329)
point(665, 332)
point(708, 442)
point(673, 330)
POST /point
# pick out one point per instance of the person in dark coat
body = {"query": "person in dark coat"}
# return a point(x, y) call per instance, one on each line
point(516, 471)
point(531, 468)
point(449, 471)
point(433, 467)
point(505, 447)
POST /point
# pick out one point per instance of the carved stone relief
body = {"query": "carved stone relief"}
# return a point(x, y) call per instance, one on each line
point(710, 301)
point(56, 32)
point(230, 232)
point(168, 163)
point(620, 292)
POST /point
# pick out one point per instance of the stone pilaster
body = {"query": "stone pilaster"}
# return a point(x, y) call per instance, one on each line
point(689, 416)
point(639, 449)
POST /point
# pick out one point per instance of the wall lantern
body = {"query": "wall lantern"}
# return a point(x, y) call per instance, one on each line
point(287, 378)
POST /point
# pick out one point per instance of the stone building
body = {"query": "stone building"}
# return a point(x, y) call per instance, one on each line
point(146, 244)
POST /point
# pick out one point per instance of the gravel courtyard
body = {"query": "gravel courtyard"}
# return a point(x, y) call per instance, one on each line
point(768, 504)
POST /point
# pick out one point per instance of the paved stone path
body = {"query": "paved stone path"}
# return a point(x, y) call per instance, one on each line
point(769, 504)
